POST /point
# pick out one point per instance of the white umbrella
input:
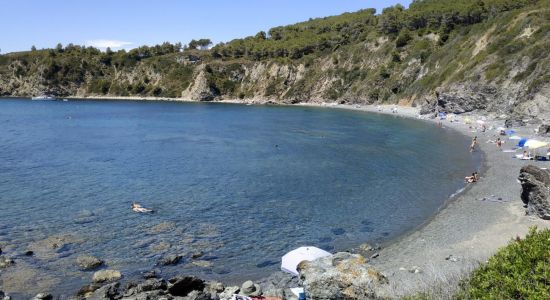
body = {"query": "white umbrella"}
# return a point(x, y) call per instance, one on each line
point(515, 137)
point(291, 260)
point(501, 128)
point(480, 122)
point(534, 144)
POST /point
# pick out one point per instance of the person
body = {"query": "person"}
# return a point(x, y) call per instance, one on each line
point(474, 143)
point(502, 132)
point(138, 208)
point(473, 178)
point(499, 143)
point(525, 155)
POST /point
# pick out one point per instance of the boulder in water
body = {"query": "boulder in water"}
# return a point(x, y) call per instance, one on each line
point(88, 262)
point(181, 286)
point(106, 275)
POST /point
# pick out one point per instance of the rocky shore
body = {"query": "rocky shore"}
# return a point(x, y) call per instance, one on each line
point(469, 229)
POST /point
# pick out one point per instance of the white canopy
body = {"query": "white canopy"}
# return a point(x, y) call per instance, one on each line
point(291, 260)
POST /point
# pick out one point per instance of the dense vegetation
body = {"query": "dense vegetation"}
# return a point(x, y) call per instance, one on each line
point(519, 271)
point(354, 57)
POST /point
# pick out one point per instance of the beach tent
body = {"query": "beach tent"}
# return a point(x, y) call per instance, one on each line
point(291, 260)
point(522, 142)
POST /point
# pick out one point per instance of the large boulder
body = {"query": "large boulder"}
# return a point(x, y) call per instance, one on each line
point(182, 286)
point(106, 292)
point(106, 275)
point(535, 190)
point(340, 276)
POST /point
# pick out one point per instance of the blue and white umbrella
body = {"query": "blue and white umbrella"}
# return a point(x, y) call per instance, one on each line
point(522, 142)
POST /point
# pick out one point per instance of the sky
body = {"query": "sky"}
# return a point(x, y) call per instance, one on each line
point(132, 23)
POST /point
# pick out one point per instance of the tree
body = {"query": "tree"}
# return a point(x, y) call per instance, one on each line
point(202, 43)
point(33, 48)
point(59, 47)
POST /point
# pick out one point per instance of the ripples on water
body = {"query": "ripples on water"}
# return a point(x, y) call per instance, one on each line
point(240, 185)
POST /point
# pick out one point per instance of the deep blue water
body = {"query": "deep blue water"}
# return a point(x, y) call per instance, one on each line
point(242, 184)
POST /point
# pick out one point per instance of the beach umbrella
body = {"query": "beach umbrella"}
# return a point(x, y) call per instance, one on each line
point(515, 137)
point(534, 144)
point(501, 128)
point(481, 122)
point(522, 142)
point(291, 260)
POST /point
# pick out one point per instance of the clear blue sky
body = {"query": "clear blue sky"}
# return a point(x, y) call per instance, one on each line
point(131, 23)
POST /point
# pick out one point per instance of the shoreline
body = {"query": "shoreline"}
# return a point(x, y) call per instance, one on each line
point(464, 228)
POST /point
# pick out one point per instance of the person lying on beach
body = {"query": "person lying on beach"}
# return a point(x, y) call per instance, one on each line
point(138, 208)
point(471, 179)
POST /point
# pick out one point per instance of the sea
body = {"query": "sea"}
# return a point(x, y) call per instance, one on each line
point(233, 187)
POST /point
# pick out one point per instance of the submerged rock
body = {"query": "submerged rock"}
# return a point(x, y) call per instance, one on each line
point(340, 276)
point(6, 262)
point(535, 193)
point(43, 296)
point(106, 275)
point(170, 260)
point(88, 262)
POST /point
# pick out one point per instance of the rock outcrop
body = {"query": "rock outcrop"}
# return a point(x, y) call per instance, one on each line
point(535, 193)
point(340, 276)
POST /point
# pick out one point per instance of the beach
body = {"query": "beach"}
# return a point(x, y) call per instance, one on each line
point(471, 227)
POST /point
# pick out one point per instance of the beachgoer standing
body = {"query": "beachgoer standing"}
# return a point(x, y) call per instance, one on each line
point(499, 143)
point(473, 145)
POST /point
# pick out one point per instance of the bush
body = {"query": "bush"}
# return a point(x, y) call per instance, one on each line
point(521, 270)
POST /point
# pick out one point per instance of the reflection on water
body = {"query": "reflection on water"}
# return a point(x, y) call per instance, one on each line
point(233, 187)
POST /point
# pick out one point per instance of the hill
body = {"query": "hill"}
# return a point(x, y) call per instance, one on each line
point(451, 55)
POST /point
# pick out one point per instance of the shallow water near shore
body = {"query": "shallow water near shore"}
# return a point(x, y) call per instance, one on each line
point(237, 186)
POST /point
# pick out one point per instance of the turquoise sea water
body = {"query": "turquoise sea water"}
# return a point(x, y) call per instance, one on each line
point(240, 184)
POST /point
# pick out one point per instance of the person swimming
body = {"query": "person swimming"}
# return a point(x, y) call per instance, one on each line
point(138, 208)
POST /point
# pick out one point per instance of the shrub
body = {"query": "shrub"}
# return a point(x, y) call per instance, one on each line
point(520, 270)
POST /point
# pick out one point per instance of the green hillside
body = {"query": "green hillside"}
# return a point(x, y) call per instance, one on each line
point(454, 55)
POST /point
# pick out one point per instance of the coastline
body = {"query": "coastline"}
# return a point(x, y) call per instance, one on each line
point(465, 228)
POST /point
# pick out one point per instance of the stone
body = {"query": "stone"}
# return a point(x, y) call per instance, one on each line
point(365, 247)
point(197, 254)
point(181, 286)
point(451, 258)
point(375, 255)
point(109, 291)
point(202, 263)
point(415, 270)
point(509, 123)
point(6, 262)
point(29, 253)
point(150, 274)
point(151, 285)
point(340, 276)
point(106, 275)
point(87, 290)
point(43, 296)
point(88, 262)
point(249, 288)
point(544, 130)
point(229, 291)
point(535, 190)
point(172, 259)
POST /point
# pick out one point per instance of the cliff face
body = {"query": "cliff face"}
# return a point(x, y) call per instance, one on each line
point(501, 65)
